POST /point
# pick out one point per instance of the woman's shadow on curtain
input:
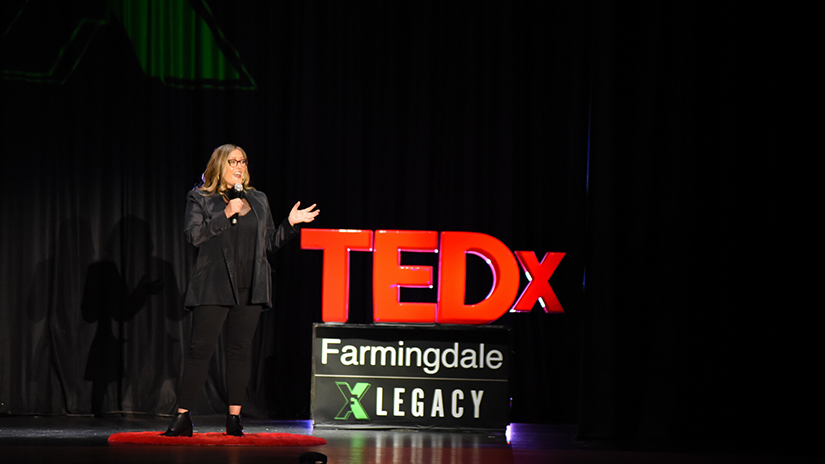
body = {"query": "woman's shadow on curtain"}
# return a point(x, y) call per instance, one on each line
point(54, 334)
point(133, 297)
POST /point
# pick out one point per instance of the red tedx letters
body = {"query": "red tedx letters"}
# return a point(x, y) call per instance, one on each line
point(389, 275)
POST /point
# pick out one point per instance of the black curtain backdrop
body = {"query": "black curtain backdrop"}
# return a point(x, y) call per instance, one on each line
point(640, 138)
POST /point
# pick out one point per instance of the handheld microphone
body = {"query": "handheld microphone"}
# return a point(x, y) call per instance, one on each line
point(237, 192)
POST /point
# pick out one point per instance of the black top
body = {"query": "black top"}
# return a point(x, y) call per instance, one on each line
point(214, 279)
point(243, 236)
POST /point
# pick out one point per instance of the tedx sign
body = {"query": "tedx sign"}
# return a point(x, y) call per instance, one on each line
point(402, 376)
point(389, 275)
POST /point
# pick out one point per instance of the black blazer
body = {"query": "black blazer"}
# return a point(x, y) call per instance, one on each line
point(213, 280)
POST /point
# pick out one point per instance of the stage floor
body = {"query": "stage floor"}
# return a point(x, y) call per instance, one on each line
point(63, 440)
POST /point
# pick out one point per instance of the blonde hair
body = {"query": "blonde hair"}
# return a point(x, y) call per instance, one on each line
point(213, 176)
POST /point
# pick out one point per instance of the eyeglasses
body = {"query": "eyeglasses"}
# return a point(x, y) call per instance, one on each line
point(234, 163)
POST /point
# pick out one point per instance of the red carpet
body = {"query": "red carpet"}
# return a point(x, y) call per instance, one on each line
point(217, 439)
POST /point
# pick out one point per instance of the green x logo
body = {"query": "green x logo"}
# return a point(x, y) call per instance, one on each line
point(353, 400)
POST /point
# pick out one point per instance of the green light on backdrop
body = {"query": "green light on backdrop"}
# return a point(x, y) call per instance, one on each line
point(176, 41)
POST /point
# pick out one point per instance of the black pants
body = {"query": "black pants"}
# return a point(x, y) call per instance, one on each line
point(207, 324)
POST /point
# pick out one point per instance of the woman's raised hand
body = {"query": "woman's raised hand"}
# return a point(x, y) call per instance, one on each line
point(302, 215)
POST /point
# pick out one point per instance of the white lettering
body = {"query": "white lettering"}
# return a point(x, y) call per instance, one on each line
point(379, 402)
point(476, 402)
point(468, 359)
point(384, 350)
point(397, 402)
point(326, 350)
point(494, 359)
point(349, 355)
point(417, 403)
point(450, 351)
point(412, 350)
point(432, 366)
point(456, 410)
point(438, 404)
point(431, 358)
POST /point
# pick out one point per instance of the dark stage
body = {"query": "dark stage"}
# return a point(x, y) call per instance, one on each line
point(649, 142)
point(32, 439)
